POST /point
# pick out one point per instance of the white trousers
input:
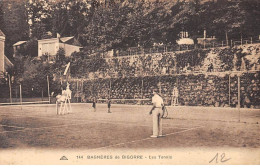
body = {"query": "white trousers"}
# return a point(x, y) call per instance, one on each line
point(157, 121)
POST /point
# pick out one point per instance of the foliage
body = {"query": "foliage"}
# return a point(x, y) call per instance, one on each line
point(192, 58)
point(227, 55)
point(81, 66)
point(69, 17)
point(39, 17)
point(118, 25)
point(60, 56)
point(30, 48)
point(13, 22)
point(1, 17)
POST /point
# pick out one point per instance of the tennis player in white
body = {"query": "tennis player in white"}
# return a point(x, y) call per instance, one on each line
point(157, 115)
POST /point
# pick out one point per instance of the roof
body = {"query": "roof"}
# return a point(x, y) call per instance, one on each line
point(62, 40)
point(8, 62)
point(19, 43)
point(187, 41)
point(65, 39)
point(47, 40)
point(209, 39)
point(1, 33)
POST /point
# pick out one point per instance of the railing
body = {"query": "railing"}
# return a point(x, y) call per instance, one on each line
point(176, 47)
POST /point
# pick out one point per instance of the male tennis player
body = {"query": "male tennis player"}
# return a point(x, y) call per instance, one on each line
point(94, 102)
point(108, 105)
point(157, 115)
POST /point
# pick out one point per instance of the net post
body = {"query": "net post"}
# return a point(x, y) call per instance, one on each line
point(82, 88)
point(77, 90)
point(16, 93)
point(142, 88)
point(238, 89)
point(21, 96)
point(229, 89)
point(48, 82)
point(10, 88)
point(110, 88)
point(42, 94)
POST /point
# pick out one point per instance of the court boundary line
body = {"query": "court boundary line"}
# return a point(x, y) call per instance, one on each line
point(98, 121)
point(11, 126)
point(145, 139)
point(67, 125)
point(27, 105)
point(39, 128)
point(19, 103)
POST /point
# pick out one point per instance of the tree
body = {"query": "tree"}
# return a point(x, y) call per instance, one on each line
point(32, 74)
point(14, 22)
point(39, 17)
point(30, 49)
point(251, 26)
point(70, 17)
point(229, 18)
point(60, 56)
point(1, 17)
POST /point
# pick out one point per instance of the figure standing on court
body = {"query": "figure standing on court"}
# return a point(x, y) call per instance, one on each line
point(68, 96)
point(108, 105)
point(60, 100)
point(94, 103)
point(157, 112)
point(175, 96)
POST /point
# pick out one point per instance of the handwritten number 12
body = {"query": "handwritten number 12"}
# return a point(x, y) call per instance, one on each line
point(222, 158)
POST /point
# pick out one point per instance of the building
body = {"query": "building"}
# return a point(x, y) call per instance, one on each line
point(52, 45)
point(18, 46)
point(184, 39)
point(206, 40)
point(5, 63)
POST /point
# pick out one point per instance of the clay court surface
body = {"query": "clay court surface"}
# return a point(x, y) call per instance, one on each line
point(127, 127)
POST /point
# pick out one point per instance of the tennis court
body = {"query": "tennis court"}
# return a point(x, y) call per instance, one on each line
point(127, 127)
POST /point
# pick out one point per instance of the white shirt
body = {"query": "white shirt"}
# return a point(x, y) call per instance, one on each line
point(157, 100)
point(68, 93)
point(176, 92)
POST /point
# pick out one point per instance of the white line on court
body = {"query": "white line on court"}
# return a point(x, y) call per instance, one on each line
point(149, 138)
point(27, 105)
point(180, 126)
point(39, 128)
point(67, 125)
point(10, 126)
